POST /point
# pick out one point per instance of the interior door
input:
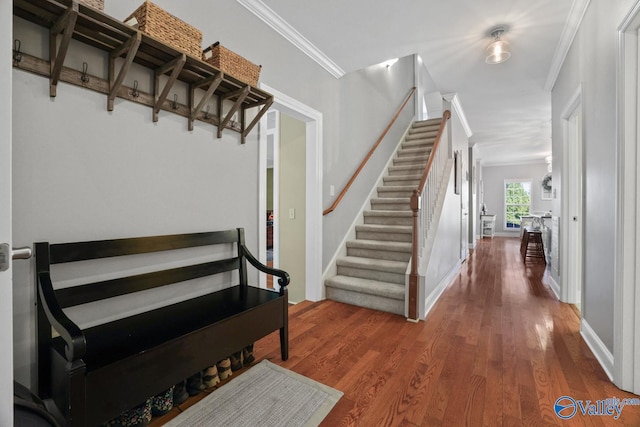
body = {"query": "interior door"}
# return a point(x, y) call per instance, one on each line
point(574, 232)
point(6, 300)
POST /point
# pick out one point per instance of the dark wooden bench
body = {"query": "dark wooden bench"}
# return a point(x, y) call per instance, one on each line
point(95, 373)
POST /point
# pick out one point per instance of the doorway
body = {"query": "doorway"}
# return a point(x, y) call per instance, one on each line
point(572, 203)
point(312, 119)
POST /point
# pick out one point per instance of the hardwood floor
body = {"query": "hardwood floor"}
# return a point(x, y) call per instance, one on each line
point(498, 349)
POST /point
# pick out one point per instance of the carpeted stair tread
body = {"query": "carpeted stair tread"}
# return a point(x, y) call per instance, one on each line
point(428, 122)
point(395, 214)
point(391, 200)
point(373, 264)
point(415, 151)
point(385, 228)
point(382, 245)
point(367, 286)
point(400, 177)
point(392, 188)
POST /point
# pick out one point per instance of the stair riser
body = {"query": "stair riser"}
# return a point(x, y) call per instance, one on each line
point(412, 152)
point(363, 300)
point(394, 194)
point(364, 273)
point(420, 135)
point(376, 254)
point(390, 207)
point(387, 220)
point(410, 182)
point(413, 173)
point(387, 237)
point(418, 143)
point(420, 163)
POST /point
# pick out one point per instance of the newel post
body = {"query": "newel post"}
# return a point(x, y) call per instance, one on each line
point(413, 276)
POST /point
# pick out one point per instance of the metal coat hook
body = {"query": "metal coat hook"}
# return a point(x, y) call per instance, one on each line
point(174, 104)
point(135, 92)
point(84, 77)
point(17, 56)
point(207, 116)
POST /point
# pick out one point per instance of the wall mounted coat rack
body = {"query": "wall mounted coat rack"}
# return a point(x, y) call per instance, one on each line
point(67, 19)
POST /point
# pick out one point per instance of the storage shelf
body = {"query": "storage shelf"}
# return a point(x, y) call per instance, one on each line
point(94, 28)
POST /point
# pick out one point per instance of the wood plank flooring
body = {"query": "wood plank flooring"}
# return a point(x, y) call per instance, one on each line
point(497, 349)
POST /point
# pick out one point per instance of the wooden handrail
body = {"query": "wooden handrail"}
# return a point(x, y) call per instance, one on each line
point(415, 207)
point(368, 156)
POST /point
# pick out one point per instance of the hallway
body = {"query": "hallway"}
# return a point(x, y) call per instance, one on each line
point(498, 349)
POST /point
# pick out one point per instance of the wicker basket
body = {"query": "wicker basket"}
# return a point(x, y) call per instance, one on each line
point(97, 4)
point(231, 63)
point(158, 23)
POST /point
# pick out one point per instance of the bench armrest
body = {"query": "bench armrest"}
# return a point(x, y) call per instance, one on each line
point(76, 344)
point(283, 280)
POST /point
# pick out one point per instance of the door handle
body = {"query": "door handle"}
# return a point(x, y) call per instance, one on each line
point(15, 253)
point(21, 253)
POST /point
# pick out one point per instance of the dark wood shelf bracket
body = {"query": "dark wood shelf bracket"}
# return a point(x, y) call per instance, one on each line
point(213, 82)
point(176, 67)
point(131, 48)
point(246, 129)
point(240, 95)
point(64, 25)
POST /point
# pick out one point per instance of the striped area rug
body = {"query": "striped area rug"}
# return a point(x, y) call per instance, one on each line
point(265, 395)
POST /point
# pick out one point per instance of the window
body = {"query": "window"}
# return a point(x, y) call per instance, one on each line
point(517, 202)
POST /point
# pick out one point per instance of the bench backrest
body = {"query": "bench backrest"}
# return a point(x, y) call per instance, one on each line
point(50, 254)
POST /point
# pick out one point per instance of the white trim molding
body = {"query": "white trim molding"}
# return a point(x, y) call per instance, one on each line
point(434, 296)
point(454, 99)
point(282, 27)
point(626, 337)
point(598, 348)
point(578, 9)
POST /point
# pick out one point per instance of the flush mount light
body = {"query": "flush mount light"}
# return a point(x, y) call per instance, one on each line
point(498, 49)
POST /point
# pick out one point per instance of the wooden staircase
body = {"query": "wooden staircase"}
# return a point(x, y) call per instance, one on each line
point(373, 272)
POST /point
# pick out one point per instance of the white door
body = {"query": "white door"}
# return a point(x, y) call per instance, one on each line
point(574, 215)
point(6, 300)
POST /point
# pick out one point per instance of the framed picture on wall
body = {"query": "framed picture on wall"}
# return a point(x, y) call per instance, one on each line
point(546, 187)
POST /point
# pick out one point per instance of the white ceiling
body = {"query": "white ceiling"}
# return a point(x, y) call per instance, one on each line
point(506, 105)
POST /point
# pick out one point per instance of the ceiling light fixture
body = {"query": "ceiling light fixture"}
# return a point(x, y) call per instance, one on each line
point(390, 62)
point(498, 49)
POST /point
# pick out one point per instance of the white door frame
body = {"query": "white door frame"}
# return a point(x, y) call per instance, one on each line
point(314, 289)
point(626, 331)
point(6, 290)
point(265, 132)
point(571, 281)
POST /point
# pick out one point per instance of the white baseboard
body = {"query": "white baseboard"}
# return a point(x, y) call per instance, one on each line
point(554, 287)
point(434, 296)
point(598, 348)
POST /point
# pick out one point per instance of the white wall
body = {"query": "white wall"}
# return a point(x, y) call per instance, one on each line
point(449, 234)
point(592, 63)
point(368, 100)
point(493, 178)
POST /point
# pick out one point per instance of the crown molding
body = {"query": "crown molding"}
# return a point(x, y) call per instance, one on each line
point(282, 27)
point(577, 12)
point(457, 106)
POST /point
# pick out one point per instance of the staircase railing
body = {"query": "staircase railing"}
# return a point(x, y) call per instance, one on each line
point(368, 156)
point(423, 203)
